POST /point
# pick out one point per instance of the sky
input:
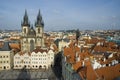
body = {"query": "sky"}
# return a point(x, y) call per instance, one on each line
point(62, 14)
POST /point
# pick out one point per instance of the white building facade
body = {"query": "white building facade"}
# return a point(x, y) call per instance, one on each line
point(62, 44)
point(5, 60)
point(42, 59)
point(22, 60)
point(38, 59)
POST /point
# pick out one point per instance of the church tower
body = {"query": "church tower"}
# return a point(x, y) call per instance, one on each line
point(39, 28)
point(25, 30)
point(25, 24)
point(31, 38)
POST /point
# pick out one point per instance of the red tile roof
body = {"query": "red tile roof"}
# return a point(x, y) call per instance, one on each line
point(15, 46)
point(39, 49)
point(87, 70)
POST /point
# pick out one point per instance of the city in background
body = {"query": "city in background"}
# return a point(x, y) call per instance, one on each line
point(60, 40)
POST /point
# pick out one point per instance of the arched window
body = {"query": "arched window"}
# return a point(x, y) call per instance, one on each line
point(40, 66)
point(24, 30)
point(38, 30)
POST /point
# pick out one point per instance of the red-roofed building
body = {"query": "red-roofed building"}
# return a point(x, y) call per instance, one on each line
point(97, 62)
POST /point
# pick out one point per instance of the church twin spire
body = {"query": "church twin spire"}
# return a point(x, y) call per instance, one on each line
point(25, 20)
point(39, 21)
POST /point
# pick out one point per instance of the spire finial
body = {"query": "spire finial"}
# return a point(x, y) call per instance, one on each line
point(25, 16)
point(39, 15)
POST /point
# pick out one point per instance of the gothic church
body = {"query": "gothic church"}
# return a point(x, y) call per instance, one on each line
point(31, 38)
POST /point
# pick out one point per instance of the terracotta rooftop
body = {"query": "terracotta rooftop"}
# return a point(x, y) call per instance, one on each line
point(14, 46)
point(39, 49)
point(107, 46)
point(84, 66)
point(109, 73)
point(22, 53)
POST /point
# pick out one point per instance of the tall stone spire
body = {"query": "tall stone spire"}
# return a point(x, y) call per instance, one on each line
point(25, 20)
point(39, 21)
point(77, 34)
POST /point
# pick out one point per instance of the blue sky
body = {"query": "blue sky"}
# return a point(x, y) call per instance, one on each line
point(62, 14)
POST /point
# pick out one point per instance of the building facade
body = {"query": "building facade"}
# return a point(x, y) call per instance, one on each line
point(39, 58)
point(22, 60)
point(5, 57)
point(68, 72)
point(42, 58)
point(62, 44)
point(32, 37)
point(5, 60)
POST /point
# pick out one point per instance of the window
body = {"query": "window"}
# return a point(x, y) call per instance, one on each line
point(28, 65)
point(24, 30)
point(38, 30)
